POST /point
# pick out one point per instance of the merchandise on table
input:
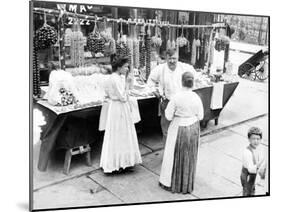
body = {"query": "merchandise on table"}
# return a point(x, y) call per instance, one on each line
point(89, 70)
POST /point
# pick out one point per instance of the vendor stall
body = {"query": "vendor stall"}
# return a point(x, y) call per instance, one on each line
point(74, 93)
point(56, 119)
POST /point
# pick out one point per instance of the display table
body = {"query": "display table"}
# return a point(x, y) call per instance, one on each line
point(57, 133)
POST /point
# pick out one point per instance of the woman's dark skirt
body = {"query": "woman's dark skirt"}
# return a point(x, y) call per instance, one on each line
point(185, 159)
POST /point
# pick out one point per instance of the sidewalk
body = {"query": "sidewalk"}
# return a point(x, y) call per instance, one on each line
point(245, 47)
point(218, 170)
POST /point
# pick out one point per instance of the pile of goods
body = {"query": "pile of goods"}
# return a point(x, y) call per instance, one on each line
point(64, 89)
point(90, 88)
point(67, 98)
point(202, 80)
point(89, 70)
point(140, 89)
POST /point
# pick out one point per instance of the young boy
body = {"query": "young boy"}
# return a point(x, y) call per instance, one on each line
point(253, 162)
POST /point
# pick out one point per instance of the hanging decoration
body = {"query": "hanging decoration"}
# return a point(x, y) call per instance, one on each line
point(181, 41)
point(148, 44)
point(95, 42)
point(122, 49)
point(45, 36)
point(61, 21)
point(77, 45)
point(156, 40)
point(36, 73)
point(110, 44)
point(169, 44)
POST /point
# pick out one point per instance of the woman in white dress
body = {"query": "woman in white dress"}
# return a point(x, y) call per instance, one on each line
point(120, 148)
point(185, 110)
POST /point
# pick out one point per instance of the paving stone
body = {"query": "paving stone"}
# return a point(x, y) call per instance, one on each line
point(138, 186)
point(213, 162)
point(54, 172)
point(78, 166)
point(212, 186)
point(153, 161)
point(232, 144)
point(75, 193)
point(152, 141)
point(144, 150)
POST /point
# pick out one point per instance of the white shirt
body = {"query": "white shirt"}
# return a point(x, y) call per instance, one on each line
point(169, 81)
point(248, 162)
point(115, 87)
point(186, 104)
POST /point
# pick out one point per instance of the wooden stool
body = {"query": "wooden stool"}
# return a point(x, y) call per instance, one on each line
point(75, 151)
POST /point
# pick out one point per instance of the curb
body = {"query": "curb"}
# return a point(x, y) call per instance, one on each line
point(232, 125)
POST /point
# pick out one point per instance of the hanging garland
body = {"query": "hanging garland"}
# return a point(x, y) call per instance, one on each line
point(45, 36)
point(148, 44)
point(95, 42)
point(35, 68)
point(77, 45)
point(181, 41)
point(122, 49)
point(156, 40)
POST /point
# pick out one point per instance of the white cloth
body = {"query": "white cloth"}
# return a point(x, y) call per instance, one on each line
point(217, 96)
point(184, 109)
point(120, 145)
point(247, 159)
point(169, 81)
point(60, 79)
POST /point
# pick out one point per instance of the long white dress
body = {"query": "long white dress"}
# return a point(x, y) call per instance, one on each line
point(120, 144)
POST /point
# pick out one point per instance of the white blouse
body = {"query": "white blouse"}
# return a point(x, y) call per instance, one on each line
point(248, 162)
point(115, 88)
point(169, 81)
point(185, 103)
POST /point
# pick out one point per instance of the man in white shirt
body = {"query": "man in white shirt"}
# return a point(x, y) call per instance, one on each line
point(166, 79)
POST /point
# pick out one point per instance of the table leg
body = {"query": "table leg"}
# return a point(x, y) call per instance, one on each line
point(67, 162)
point(216, 121)
point(88, 158)
point(48, 142)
